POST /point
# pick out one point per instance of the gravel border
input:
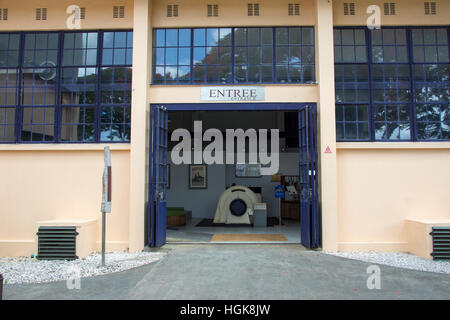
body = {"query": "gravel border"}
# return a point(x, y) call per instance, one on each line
point(396, 259)
point(27, 270)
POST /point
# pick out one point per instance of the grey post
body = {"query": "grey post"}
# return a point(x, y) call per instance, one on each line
point(106, 197)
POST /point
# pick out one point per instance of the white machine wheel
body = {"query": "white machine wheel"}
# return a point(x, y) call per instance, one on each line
point(235, 206)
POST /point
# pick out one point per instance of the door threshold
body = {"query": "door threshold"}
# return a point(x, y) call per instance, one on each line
point(236, 242)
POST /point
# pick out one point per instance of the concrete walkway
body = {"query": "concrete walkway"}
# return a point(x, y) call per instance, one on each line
point(246, 272)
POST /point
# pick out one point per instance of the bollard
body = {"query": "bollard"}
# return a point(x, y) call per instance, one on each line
point(1, 287)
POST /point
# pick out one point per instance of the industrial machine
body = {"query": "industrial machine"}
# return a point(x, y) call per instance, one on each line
point(236, 205)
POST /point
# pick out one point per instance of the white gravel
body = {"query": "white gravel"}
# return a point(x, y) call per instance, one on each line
point(400, 260)
point(27, 270)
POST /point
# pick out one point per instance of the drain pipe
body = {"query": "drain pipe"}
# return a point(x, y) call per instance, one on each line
point(1, 287)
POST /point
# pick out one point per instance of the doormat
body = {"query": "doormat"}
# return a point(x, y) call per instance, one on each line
point(222, 237)
point(271, 221)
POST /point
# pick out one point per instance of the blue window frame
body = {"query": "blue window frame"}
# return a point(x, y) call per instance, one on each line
point(38, 90)
point(392, 84)
point(234, 55)
point(351, 84)
point(9, 82)
point(115, 87)
point(69, 87)
point(431, 72)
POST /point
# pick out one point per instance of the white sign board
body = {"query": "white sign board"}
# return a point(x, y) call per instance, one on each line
point(232, 94)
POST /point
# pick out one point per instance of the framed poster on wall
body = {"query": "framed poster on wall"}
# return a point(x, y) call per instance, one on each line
point(248, 170)
point(198, 178)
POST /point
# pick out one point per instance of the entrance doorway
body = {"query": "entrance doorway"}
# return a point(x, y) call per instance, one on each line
point(173, 196)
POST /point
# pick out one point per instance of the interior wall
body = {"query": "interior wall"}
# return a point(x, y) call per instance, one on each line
point(288, 166)
point(202, 202)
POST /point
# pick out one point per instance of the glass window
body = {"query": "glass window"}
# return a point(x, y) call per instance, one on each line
point(389, 45)
point(115, 104)
point(391, 89)
point(78, 100)
point(404, 89)
point(39, 87)
point(350, 46)
point(251, 55)
point(9, 83)
point(351, 85)
point(85, 97)
point(212, 56)
point(295, 56)
point(172, 56)
point(117, 48)
point(80, 49)
point(9, 50)
point(431, 71)
point(430, 45)
point(234, 55)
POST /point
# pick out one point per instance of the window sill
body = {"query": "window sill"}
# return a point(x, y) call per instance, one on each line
point(393, 145)
point(65, 147)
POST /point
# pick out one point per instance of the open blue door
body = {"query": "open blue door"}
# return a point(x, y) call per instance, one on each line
point(309, 199)
point(157, 201)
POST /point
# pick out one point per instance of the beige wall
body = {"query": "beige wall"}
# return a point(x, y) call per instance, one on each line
point(49, 183)
point(408, 12)
point(231, 13)
point(381, 185)
point(99, 14)
point(140, 124)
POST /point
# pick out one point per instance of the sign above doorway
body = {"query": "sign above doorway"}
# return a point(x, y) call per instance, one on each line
point(232, 94)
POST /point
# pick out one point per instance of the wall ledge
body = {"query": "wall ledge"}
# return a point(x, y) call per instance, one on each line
point(65, 147)
point(393, 145)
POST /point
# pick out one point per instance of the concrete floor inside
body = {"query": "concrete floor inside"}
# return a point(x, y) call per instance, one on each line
point(191, 233)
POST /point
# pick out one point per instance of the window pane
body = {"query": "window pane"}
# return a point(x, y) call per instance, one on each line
point(212, 37)
point(240, 36)
point(199, 37)
point(253, 36)
point(266, 36)
point(184, 37)
point(295, 36)
point(308, 36)
point(225, 37)
point(171, 37)
point(159, 38)
point(281, 35)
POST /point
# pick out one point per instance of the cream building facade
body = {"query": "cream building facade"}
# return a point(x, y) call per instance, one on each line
point(372, 192)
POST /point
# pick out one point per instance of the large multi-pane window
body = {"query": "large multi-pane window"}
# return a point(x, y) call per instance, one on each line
point(431, 76)
point(65, 86)
point(392, 84)
point(352, 84)
point(9, 82)
point(234, 55)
